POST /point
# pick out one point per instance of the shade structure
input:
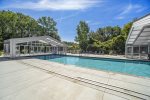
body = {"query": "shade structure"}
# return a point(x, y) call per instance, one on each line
point(33, 46)
point(138, 41)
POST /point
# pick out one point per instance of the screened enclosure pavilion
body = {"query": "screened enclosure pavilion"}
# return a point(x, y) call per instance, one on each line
point(33, 46)
point(138, 41)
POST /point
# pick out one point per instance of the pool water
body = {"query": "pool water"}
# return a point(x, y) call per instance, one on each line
point(138, 68)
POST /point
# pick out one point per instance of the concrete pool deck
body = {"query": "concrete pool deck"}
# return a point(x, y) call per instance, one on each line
point(35, 79)
point(99, 55)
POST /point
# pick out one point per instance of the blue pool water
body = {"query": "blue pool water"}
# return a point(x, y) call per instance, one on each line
point(138, 68)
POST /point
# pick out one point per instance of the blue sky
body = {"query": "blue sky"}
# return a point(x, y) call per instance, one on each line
point(68, 13)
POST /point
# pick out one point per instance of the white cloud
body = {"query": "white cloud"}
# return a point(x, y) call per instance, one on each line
point(88, 21)
point(120, 17)
point(93, 23)
point(130, 8)
point(67, 17)
point(55, 4)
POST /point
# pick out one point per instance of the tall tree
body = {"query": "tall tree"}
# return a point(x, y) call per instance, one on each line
point(126, 29)
point(107, 39)
point(49, 27)
point(101, 34)
point(108, 31)
point(116, 31)
point(82, 35)
point(17, 25)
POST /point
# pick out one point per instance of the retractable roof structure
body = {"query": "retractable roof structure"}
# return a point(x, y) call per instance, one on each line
point(33, 46)
point(46, 39)
point(140, 32)
point(138, 41)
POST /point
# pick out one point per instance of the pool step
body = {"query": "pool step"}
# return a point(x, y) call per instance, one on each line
point(114, 89)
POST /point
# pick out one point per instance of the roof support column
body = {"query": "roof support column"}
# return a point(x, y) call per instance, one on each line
point(12, 49)
point(30, 48)
point(139, 51)
point(148, 49)
point(148, 52)
point(57, 50)
point(19, 49)
point(132, 52)
point(62, 50)
point(65, 50)
point(125, 50)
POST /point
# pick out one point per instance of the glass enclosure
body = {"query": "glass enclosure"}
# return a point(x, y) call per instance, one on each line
point(138, 41)
point(7, 48)
point(33, 46)
point(138, 52)
point(36, 47)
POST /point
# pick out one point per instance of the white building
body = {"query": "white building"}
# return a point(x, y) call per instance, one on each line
point(33, 46)
point(138, 41)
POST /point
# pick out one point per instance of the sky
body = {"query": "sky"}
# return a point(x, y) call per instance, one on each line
point(68, 13)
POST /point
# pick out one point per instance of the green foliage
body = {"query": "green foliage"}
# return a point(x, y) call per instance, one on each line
point(69, 43)
point(109, 40)
point(1, 53)
point(118, 44)
point(82, 35)
point(49, 27)
point(126, 29)
point(71, 46)
point(18, 25)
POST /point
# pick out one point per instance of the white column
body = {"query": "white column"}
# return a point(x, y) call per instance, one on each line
point(65, 50)
point(12, 49)
point(57, 50)
point(148, 52)
point(62, 51)
point(139, 51)
point(132, 52)
point(148, 49)
point(125, 51)
point(19, 50)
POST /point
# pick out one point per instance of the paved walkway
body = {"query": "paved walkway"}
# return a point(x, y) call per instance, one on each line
point(34, 79)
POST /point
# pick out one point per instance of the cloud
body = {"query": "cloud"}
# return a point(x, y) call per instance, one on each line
point(93, 23)
point(55, 4)
point(120, 17)
point(130, 8)
point(67, 17)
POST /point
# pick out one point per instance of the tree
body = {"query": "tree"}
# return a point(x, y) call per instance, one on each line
point(126, 29)
point(82, 35)
point(18, 25)
point(118, 44)
point(116, 31)
point(49, 27)
point(102, 36)
point(107, 39)
point(108, 31)
point(96, 36)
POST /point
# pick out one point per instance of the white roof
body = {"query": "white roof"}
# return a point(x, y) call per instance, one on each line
point(44, 39)
point(140, 32)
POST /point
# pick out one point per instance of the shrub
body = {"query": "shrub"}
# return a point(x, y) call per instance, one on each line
point(1, 53)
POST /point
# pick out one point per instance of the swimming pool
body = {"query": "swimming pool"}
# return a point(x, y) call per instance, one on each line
point(136, 68)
